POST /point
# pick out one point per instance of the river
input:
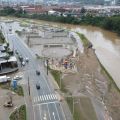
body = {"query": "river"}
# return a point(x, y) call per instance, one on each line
point(107, 49)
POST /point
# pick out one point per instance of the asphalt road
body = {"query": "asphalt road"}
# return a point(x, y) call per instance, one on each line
point(45, 101)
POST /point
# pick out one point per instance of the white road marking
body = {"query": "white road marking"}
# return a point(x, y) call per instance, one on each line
point(34, 112)
point(54, 116)
point(45, 103)
point(54, 96)
point(45, 98)
point(63, 112)
point(57, 111)
point(40, 97)
point(40, 112)
point(48, 112)
point(49, 97)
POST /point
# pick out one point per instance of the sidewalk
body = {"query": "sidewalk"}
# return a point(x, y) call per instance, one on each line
point(28, 102)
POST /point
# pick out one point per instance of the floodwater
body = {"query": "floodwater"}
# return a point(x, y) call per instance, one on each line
point(105, 43)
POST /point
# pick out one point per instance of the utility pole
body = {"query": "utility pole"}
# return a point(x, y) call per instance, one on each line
point(60, 79)
point(47, 66)
point(73, 105)
point(28, 86)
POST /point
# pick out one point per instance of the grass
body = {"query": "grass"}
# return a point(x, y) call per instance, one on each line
point(18, 32)
point(84, 39)
point(24, 24)
point(2, 39)
point(18, 90)
point(39, 57)
point(56, 74)
point(19, 114)
point(83, 109)
point(86, 105)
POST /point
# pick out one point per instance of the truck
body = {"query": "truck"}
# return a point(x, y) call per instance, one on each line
point(4, 79)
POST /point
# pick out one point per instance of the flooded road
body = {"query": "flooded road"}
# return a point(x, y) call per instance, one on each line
point(105, 43)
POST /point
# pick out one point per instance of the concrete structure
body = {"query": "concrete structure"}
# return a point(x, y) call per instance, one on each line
point(7, 64)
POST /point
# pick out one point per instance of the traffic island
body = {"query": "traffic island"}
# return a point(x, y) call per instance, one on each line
point(19, 113)
point(57, 76)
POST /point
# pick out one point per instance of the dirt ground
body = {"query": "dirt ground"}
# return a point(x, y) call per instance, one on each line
point(92, 80)
point(4, 97)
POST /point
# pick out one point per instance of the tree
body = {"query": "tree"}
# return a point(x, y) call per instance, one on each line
point(9, 10)
point(83, 11)
point(7, 57)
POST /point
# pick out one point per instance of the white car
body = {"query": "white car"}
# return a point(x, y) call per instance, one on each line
point(17, 77)
point(8, 78)
point(27, 59)
point(23, 63)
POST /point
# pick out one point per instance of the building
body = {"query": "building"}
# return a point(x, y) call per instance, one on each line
point(7, 63)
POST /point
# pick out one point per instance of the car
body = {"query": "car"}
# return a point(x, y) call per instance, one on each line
point(18, 77)
point(38, 86)
point(23, 63)
point(27, 59)
point(20, 58)
point(8, 104)
point(9, 78)
point(37, 72)
point(16, 51)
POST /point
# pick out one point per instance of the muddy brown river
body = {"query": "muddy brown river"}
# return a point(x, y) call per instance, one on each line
point(107, 49)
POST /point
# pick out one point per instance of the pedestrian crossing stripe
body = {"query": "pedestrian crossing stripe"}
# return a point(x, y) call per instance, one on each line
point(43, 98)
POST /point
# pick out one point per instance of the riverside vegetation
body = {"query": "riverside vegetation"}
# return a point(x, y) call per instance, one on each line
point(111, 23)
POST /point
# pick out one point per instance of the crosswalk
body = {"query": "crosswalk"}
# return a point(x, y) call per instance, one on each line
point(45, 98)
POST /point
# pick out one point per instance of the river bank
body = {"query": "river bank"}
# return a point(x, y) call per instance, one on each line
point(107, 22)
point(91, 77)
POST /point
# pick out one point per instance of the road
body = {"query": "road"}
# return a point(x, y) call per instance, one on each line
point(46, 105)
